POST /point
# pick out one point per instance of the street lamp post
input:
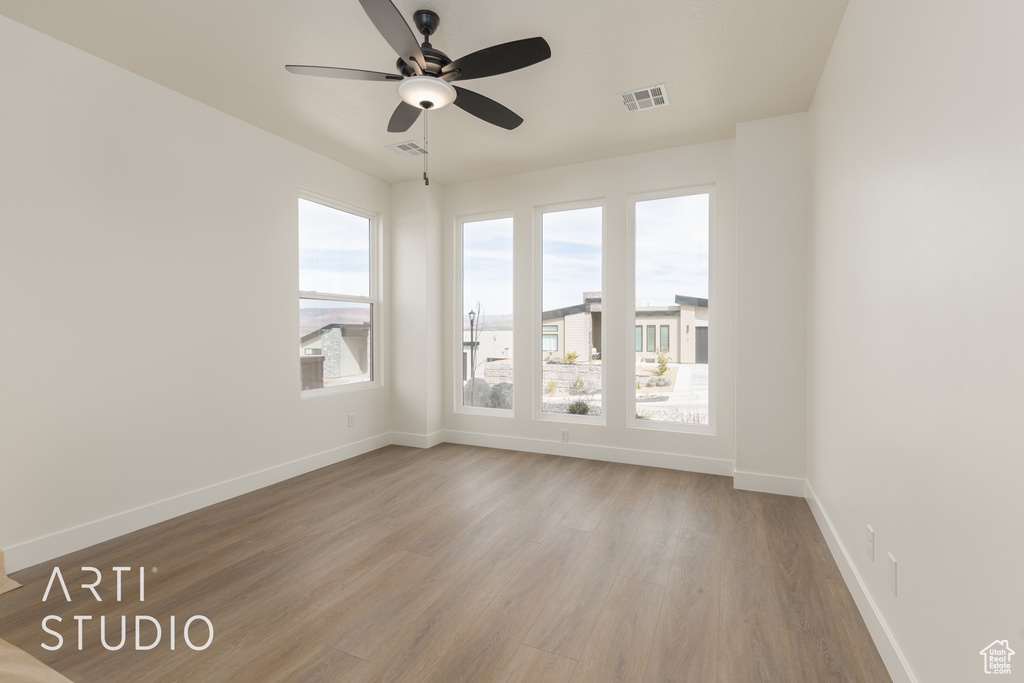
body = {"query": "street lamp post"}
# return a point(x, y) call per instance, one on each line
point(472, 359)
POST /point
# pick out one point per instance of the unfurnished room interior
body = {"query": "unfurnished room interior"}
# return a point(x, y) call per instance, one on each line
point(671, 341)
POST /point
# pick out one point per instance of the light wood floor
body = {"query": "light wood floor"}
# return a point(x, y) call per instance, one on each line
point(467, 564)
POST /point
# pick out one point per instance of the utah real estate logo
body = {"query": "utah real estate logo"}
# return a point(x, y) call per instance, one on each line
point(997, 657)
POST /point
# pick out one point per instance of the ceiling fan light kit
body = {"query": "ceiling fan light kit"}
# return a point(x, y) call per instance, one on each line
point(426, 92)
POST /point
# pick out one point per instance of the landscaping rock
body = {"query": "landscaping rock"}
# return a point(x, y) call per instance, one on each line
point(501, 396)
point(476, 393)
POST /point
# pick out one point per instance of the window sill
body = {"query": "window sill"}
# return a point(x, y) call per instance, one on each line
point(334, 391)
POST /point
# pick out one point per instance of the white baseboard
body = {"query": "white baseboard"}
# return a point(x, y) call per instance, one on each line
point(54, 545)
point(416, 440)
point(892, 656)
point(769, 483)
point(672, 461)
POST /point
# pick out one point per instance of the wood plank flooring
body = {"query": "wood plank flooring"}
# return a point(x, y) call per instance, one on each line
point(458, 563)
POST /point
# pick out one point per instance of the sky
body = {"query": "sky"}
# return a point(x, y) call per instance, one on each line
point(671, 251)
point(334, 251)
point(487, 267)
point(672, 248)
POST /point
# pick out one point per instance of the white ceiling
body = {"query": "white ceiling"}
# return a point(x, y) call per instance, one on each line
point(723, 61)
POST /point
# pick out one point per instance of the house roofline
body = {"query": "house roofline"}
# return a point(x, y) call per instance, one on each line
point(691, 301)
point(562, 312)
point(316, 333)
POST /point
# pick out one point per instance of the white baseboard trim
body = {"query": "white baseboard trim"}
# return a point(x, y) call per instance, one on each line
point(62, 542)
point(672, 461)
point(897, 665)
point(416, 440)
point(769, 483)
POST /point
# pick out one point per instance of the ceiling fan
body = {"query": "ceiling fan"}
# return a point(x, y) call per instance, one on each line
point(426, 74)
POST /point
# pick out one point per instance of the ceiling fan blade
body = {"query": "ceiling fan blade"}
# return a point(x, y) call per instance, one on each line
point(487, 109)
point(405, 115)
point(389, 22)
point(338, 72)
point(499, 59)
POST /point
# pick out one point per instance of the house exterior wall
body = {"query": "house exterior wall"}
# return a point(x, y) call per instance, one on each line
point(577, 335)
point(690, 318)
point(682, 346)
point(672, 322)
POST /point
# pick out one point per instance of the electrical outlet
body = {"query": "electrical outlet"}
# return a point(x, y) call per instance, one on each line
point(351, 419)
point(871, 543)
point(892, 573)
point(565, 436)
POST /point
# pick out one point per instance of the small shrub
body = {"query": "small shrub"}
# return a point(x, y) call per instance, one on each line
point(643, 416)
point(571, 357)
point(576, 386)
point(552, 387)
point(663, 359)
point(578, 407)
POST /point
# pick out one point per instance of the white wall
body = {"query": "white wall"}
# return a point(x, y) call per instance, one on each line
point(772, 205)
point(415, 371)
point(611, 181)
point(137, 226)
point(915, 420)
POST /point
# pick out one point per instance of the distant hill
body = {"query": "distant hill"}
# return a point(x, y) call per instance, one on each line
point(314, 318)
point(490, 322)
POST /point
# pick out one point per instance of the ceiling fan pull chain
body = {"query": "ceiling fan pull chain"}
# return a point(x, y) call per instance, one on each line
point(426, 150)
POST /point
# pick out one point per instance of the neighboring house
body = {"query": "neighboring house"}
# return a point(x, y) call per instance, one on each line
point(345, 348)
point(573, 329)
point(490, 345)
point(680, 329)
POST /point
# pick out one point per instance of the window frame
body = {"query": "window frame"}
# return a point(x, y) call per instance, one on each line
point(548, 331)
point(632, 422)
point(376, 315)
point(537, 358)
point(457, 319)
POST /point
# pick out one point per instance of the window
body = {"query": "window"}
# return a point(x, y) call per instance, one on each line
point(549, 338)
point(487, 313)
point(639, 338)
point(570, 378)
point(672, 256)
point(336, 296)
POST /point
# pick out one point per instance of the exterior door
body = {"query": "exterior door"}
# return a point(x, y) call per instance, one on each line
point(702, 345)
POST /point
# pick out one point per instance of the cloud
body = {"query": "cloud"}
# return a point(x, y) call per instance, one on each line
point(487, 266)
point(334, 250)
point(672, 248)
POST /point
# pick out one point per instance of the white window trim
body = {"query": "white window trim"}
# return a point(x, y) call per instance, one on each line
point(458, 304)
point(710, 429)
point(376, 366)
point(537, 358)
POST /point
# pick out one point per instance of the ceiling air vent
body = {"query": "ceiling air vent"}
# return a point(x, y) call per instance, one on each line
point(408, 149)
point(645, 98)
